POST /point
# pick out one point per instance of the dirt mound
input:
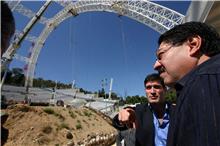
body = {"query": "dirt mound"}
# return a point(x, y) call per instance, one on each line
point(56, 126)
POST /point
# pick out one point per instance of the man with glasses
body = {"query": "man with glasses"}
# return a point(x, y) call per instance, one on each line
point(189, 60)
point(151, 120)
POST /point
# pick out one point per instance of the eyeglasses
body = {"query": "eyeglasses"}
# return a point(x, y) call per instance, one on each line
point(154, 86)
point(161, 53)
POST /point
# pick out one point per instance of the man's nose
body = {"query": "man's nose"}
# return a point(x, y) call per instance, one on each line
point(152, 90)
point(157, 65)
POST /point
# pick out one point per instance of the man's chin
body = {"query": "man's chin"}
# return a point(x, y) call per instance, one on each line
point(169, 83)
point(153, 101)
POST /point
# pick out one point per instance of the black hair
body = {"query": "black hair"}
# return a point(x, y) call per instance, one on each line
point(181, 33)
point(7, 26)
point(154, 77)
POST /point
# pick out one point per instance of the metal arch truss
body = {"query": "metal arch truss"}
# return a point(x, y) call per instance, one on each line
point(29, 38)
point(153, 15)
point(17, 6)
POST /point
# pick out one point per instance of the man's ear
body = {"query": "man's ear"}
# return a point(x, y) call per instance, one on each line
point(194, 45)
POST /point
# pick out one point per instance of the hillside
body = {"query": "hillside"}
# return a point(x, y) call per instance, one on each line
point(56, 126)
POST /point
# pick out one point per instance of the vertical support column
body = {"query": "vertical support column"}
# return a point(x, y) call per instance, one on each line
point(110, 89)
point(198, 11)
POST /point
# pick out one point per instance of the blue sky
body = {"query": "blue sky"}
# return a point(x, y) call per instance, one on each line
point(94, 46)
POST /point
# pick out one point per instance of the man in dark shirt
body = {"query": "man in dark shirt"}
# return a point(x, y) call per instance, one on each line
point(150, 120)
point(189, 59)
point(7, 31)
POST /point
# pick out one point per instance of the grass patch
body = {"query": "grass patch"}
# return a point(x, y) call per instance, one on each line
point(86, 113)
point(24, 109)
point(79, 113)
point(72, 114)
point(78, 126)
point(64, 125)
point(49, 111)
point(52, 112)
point(61, 117)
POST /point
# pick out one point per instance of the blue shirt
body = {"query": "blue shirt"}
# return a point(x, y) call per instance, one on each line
point(161, 130)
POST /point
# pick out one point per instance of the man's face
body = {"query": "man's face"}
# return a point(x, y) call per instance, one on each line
point(173, 62)
point(155, 92)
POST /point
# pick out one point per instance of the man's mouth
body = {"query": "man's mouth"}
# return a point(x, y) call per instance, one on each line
point(153, 97)
point(161, 70)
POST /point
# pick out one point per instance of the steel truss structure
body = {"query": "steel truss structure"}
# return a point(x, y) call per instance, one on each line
point(151, 14)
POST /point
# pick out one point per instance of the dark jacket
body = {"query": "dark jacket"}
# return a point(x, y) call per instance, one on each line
point(145, 126)
point(196, 121)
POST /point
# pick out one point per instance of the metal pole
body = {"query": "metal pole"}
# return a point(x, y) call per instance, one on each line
point(110, 90)
point(73, 84)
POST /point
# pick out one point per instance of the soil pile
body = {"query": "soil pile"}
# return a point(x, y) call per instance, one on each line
point(56, 126)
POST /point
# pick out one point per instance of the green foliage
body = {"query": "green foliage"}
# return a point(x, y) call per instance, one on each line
point(64, 125)
point(101, 93)
point(24, 109)
point(40, 82)
point(79, 113)
point(114, 96)
point(14, 77)
point(72, 114)
point(49, 111)
point(121, 102)
point(78, 126)
point(84, 91)
point(135, 99)
point(171, 96)
point(52, 112)
point(86, 113)
point(59, 116)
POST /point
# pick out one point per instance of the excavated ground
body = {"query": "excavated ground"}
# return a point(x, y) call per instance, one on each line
point(56, 126)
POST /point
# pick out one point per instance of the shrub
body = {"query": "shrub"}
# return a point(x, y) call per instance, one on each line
point(64, 125)
point(78, 126)
point(88, 114)
point(24, 109)
point(49, 111)
point(79, 113)
point(72, 114)
point(60, 116)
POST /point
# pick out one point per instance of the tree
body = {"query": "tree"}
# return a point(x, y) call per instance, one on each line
point(101, 93)
point(171, 95)
point(136, 99)
point(17, 77)
point(8, 77)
